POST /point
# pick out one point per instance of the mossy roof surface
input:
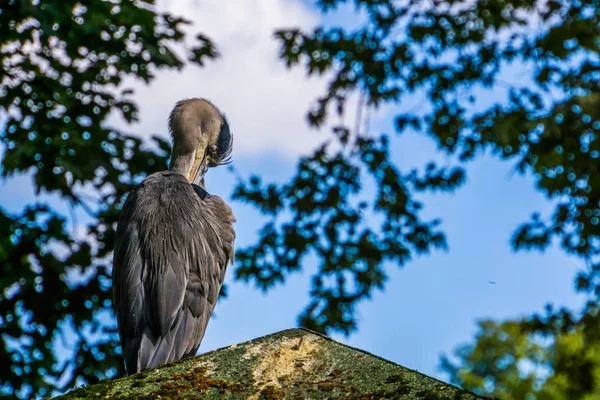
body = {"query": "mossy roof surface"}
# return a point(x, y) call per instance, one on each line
point(291, 364)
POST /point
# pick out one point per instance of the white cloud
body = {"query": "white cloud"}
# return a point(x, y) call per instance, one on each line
point(265, 103)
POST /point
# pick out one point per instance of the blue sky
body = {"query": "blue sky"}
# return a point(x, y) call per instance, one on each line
point(428, 307)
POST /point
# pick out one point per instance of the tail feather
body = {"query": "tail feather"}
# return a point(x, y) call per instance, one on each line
point(182, 341)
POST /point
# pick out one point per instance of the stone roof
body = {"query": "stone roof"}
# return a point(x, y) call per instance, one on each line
point(294, 364)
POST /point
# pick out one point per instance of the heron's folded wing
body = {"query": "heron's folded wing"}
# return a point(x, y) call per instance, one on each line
point(165, 286)
point(128, 291)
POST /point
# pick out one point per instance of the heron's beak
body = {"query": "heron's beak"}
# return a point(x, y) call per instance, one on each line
point(198, 170)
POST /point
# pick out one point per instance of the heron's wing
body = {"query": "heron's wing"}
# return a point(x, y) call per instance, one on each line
point(165, 284)
point(212, 252)
point(149, 282)
point(167, 260)
point(128, 291)
point(199, 252)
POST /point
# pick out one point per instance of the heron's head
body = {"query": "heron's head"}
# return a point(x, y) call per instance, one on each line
point(201, 138)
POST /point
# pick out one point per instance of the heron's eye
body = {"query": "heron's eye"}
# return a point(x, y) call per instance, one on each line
point(212, 154)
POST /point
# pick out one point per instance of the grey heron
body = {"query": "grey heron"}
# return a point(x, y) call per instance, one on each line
point(173, 244)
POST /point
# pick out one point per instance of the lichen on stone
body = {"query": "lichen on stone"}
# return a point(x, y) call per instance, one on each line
point(295, 363)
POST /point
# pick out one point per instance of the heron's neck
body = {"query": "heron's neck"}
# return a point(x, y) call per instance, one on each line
point(182, 163)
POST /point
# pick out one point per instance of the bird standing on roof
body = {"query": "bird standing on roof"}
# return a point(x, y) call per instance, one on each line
point(173, 244)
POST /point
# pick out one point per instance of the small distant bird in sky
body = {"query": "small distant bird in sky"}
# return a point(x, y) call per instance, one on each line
point(173, 243)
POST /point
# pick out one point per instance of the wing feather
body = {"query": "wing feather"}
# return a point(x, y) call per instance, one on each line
point(128, 291)
point(166, 290)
